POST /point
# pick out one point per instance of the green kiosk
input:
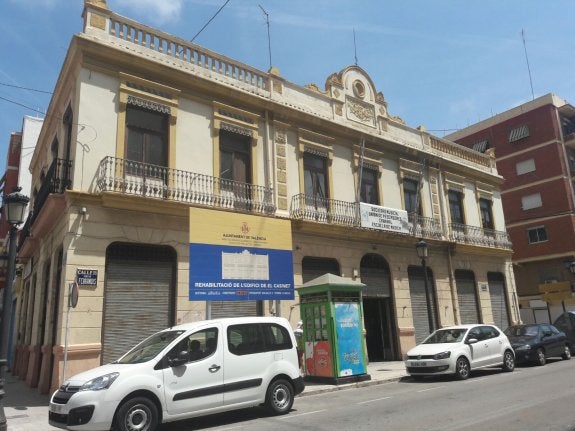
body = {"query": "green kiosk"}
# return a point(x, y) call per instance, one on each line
point(332, 316)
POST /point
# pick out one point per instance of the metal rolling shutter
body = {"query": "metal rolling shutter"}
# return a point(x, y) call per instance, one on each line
point(314, 267)
point(498, 300)
point(376, 282)
point(467, 296)
point(220, 309)
point(419, 302)
point(136, 304)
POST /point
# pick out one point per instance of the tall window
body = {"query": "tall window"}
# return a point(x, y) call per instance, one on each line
point(147, 137)
point(369, 191)
point(456, 206)
point(411, 196)
point(235, 157)
point(315, 176)
point(486, 213)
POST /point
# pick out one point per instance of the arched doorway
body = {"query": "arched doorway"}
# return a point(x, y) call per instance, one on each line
point(313, 267)
point(379, 318)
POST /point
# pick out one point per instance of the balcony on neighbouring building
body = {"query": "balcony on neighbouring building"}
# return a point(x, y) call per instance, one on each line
point(159, 182)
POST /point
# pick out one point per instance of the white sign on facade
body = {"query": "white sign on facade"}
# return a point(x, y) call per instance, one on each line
point(376, 217)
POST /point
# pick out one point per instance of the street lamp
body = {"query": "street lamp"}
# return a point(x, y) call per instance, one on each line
point(421, 248)
point(14, 208)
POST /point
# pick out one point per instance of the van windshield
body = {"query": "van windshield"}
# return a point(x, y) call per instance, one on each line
point(149, 348)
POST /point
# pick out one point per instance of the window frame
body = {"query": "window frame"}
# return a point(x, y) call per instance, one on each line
point(525, 167)
point(413, 195)
point(365, 185)
point(459, 203)
point(264, 340)
point(486, 213)
point(314, 171)
point(537, 229)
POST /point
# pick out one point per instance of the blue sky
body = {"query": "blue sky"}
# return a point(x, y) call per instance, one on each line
point(444, 64)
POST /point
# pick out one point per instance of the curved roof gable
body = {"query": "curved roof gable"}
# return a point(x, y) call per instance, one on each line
point(359, 100)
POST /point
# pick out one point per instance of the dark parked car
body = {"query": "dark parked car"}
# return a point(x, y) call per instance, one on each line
point(537, 342)
point(562, 324)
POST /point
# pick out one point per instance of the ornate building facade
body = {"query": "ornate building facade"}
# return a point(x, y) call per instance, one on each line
point(144, 126)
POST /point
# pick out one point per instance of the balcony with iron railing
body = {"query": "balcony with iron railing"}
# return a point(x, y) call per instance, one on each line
point(344, 213)
point(159, 182)
point(57, 180)
point(473, 235)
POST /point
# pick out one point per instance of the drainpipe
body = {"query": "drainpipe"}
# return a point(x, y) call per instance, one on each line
point(452, 287)
point(269, 173)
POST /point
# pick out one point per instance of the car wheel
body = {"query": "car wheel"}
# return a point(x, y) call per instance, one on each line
point(136, 414)
point(508, 361)
point(540, 354)
point(279, 397)
point(566, 353)
point(462, 369)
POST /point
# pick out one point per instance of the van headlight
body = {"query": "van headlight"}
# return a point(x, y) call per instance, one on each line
point(99, 383)
point(442, 355)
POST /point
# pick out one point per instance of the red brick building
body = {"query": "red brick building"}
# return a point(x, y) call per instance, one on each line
point(534, 146)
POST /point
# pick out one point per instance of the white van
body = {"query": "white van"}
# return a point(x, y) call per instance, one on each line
point(185, 371)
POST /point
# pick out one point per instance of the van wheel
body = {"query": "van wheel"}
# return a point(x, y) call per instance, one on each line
point(279, 397)
point(137, 414)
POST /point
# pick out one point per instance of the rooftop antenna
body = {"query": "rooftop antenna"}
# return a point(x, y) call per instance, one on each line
point(527, 59)
point(269, 40)
point(354, 47)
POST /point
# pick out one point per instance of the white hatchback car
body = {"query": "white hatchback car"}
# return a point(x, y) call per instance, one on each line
point(189, 370)
point(460, 349)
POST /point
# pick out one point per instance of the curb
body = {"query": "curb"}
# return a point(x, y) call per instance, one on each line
point(309, 391)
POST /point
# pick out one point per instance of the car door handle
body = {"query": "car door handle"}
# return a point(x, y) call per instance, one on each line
point(214, 368)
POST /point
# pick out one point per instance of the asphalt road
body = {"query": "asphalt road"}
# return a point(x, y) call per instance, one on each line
point(530, 398)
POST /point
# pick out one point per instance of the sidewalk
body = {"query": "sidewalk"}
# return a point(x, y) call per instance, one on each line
point(27, 410)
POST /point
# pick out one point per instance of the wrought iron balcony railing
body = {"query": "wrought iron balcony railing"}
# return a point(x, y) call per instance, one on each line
point(56, 180)
point(141, 179)
point(424, 227)
point(479, 236)
point(322, 210)
point(331, 211)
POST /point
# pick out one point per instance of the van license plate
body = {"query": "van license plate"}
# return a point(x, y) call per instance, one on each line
point(56, 408)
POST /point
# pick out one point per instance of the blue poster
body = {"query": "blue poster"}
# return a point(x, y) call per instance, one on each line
point(224, 273)
point(349, 339)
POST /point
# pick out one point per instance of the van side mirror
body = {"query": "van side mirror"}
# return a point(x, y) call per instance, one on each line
point(182, 358)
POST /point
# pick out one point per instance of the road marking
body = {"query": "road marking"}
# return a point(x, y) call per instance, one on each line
point(302, 414)
point(372, 401)
point(431, 389)
point(230, 428)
